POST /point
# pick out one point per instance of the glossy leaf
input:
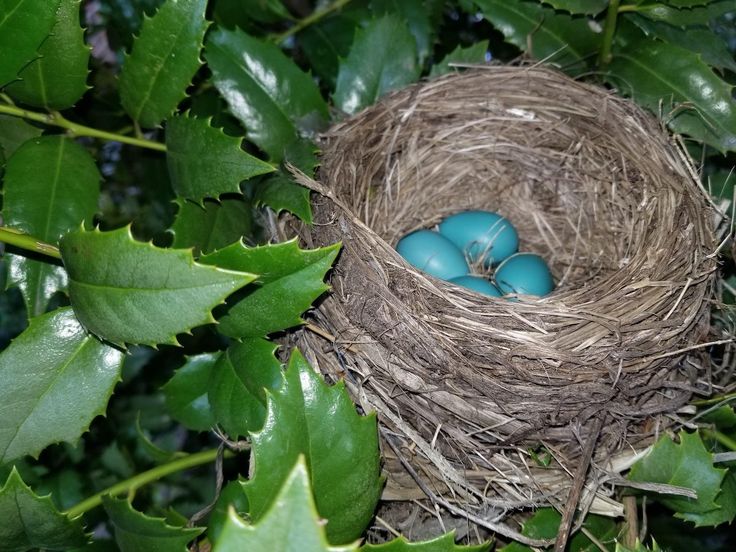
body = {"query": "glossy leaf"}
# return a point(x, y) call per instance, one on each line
point(289, 280)
point(444, 543)
point(586, 7)
point(163, 61)
point(186, 392)
point(290, 525)
point(13, 132)
point(341, 449)
point(232, 496)
point(685, 464)
point(555, 37)
point(266, 91)
point(24, 25)
point(196, 174)
point(51, 185)
point(698, 15)
point(415, 14)
point(213, 225)
point(127, 291)
point(383, 57)
point(238, 384)
point(281, 193)
point(725, 502)
point(30, 521)
point(56, 379)
point(58, 78)
point(135, 532)
point(325, 43)
point(667, 74)
point(472, 54)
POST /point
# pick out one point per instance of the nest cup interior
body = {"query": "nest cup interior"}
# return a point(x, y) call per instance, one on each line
point(591, 183)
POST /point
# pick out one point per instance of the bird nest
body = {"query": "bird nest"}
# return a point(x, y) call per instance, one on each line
point(488, 404)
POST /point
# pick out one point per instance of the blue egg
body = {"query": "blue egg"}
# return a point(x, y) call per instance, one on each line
point(524, 273)
point(476, 283)
point(481, 235)
point(433, 253)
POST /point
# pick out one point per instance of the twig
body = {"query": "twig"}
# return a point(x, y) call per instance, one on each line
point(311, 19)
point(632, 521)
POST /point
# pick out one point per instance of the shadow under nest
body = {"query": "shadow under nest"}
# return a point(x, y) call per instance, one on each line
point(466, 385)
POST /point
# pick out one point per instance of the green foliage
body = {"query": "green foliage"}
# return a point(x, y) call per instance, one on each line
point(196, 176)
point(281, 193)
point(135, 531)
point(51, 186)
point(13, 132)
point(416, 17)
point(58, 77)
point(186, 393)
point(587, 7)
point(126, 291)
point(291, 524)
point(639, 547)
point(383, 57)
point(163, 61)
point(341, 451)
point(472, 54)
point(53, 371)
point(444, 543)
point(31, 522)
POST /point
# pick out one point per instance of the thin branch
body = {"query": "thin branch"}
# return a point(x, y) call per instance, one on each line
point(311, 19)
point(28, 243)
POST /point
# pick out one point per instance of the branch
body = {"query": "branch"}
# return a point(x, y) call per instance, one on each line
point(28, 243)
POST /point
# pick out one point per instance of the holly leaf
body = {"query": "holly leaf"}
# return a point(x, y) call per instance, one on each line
point(232, 497)
point(51, 185)
point(687, 464)
point(31, 521)
point(325, 43)
point(416, 16)
point(266, 91)
point(292, 523)
point(654, 73)
point(383, 57)
point(127, 291)
point(725, 502)
point(289, 280)
point(557, 38)
point(135, 531)
point(583, 7)
point(163, 61)
point(341, 450)
point(186, 392)
point(56, 379)
point(638, 547)
point(697, 15)
point(13, 132)
point(221, 170)
point(281, 193)
point(58, 77)
point(238, 385)
point(24, 26)
point(475, 53)
point(444, 543)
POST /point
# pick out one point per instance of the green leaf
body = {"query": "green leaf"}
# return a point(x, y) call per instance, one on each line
point(31, 521)
point(290, 279)
point(686, 17)
point(341, 450)
point(186, 392)
point(557, 38)
point(58, 78)
point(13, 132)
point(51, 185)
point(444, 543)
point(56, 379)
point(687, 464)
point(291, 524)
point(24, 24)
point(475, 53)
point(128, 291)
point(281, 193)
point(582, 7)
point(238, 385)
point(232, 496)
point(654, 73)
point(135, 531)
point(723, 417)
point(163, 61)
point(414, 14)
point(325, 43)
point(639, 547)
point(266, 91)
point(712, 48)
point(221, 170)
point(211, 226)
point(383, 57)
point(725, 502)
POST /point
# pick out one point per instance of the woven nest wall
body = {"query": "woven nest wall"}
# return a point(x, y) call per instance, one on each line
point(465, 385)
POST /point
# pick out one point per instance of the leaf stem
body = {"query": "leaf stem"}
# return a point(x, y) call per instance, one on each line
point(55, 118)
point(609, 28)
point(305, 22)
point(28, 243)
point(715, 400)
point(141, 479)
point(722, 438)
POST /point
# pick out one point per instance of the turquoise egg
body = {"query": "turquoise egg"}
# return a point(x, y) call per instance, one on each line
point(476, 283)
point(433, 253)
point(481, 234)
point(524, 273)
